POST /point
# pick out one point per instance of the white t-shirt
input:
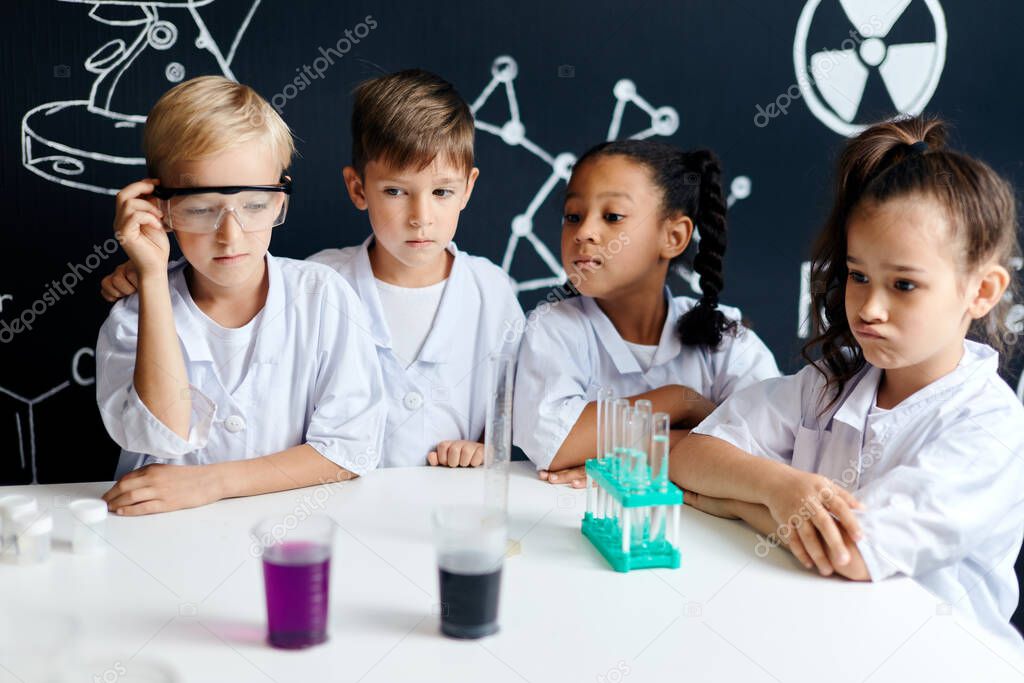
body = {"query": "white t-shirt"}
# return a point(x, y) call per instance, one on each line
point(230, 347)
point(410, 313)
point(643, 353)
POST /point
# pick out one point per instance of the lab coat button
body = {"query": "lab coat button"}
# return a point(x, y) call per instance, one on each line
point(234, 424)
point(412, 400)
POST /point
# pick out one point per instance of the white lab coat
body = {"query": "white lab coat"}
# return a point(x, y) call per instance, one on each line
point(570, 349)
point(443, 395)
point(941, 475)
point(314, 378)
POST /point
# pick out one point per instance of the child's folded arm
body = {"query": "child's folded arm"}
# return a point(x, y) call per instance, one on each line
point(945, 501)
point(128, 420)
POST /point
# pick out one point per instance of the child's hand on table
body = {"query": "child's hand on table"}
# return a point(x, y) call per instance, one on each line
point(816, 512)
point(457, 454)
point(162, 488)
point(576, 477)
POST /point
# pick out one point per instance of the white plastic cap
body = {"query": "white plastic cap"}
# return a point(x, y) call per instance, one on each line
point(17, 503)
point(88, 510)
point(32, 523)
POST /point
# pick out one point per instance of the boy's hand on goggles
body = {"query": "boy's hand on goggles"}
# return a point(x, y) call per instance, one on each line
point(138, 226)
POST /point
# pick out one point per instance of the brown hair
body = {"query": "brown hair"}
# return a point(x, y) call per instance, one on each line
point(406, 119)
point(208, 115)
point(891, 160)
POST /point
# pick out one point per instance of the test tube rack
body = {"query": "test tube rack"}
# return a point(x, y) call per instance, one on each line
point(632, 514)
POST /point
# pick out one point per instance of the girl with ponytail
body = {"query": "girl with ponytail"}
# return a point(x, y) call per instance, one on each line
point(898, 450)
point(631, 209)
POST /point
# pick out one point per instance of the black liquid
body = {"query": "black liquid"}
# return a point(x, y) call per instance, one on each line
point(469, 602)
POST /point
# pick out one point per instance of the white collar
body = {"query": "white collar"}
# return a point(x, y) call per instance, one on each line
point(272, 332)
point(978, 363)
point(437, 346)
point(669, 345)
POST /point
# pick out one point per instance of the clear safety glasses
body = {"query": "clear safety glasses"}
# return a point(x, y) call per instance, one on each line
point(201, 209)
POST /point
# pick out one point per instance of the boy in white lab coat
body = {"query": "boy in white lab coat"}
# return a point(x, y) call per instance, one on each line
point(436, 314)
point(231, 372)
point(898, 451)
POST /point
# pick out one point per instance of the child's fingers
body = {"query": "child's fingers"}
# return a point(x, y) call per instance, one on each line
point(543, 475)
point(133, 190)
point(442, 453)
point(130, 273)
point(455, 454)
point(466, 456)
point(809, 536)
point(133, 497)
point(829, 531)
point(568, 475)
point(432, 458)
point(147, 508)
point(478, 457)
point(142, 205)
point(840, 508)
point(796, 547)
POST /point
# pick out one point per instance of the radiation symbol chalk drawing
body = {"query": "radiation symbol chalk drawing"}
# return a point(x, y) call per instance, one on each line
point(664, 121)
point(832, 80)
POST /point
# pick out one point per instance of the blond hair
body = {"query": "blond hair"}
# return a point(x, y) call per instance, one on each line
point(409, 118)
point(208, 115)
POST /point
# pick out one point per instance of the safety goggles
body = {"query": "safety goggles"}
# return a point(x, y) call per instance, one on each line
point(201, 209)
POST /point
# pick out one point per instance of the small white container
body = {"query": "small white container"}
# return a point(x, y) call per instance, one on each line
point(9, 506)
point(89, 517)
point(33, 538)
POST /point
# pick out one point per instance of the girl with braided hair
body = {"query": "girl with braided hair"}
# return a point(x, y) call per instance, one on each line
point(631, 210)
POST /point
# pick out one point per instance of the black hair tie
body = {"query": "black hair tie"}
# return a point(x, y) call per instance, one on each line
point(920, 147)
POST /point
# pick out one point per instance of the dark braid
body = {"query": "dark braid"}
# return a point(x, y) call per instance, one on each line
point(704, 324)
point(690, 183)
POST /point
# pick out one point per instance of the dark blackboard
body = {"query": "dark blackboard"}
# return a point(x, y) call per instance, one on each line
point(717, 74)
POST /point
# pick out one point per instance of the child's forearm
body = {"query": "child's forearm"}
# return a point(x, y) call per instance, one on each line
point(716, 468)
point(291, 468)
point(160, 378)
point(681, 403)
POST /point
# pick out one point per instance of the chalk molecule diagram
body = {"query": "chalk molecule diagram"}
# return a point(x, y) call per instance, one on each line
point(31, 403)
point(664, 122)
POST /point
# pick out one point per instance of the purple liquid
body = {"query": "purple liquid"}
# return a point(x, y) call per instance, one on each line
point(469, 601)
point(297, 577)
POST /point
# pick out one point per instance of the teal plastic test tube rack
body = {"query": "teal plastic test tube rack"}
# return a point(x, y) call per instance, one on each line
point(632, 515)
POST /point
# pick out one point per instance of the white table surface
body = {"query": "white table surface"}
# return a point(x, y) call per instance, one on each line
point(181, 592)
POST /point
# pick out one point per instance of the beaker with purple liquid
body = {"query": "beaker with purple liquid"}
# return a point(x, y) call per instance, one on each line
point(296, 576)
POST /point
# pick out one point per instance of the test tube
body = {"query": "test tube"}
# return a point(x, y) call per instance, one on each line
point(498, 433)
point(620, 435)
point(657, 532)
point(640, 443)
point(659, 450)
point(625, 530)
point(604, 405)
point(607, 431)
